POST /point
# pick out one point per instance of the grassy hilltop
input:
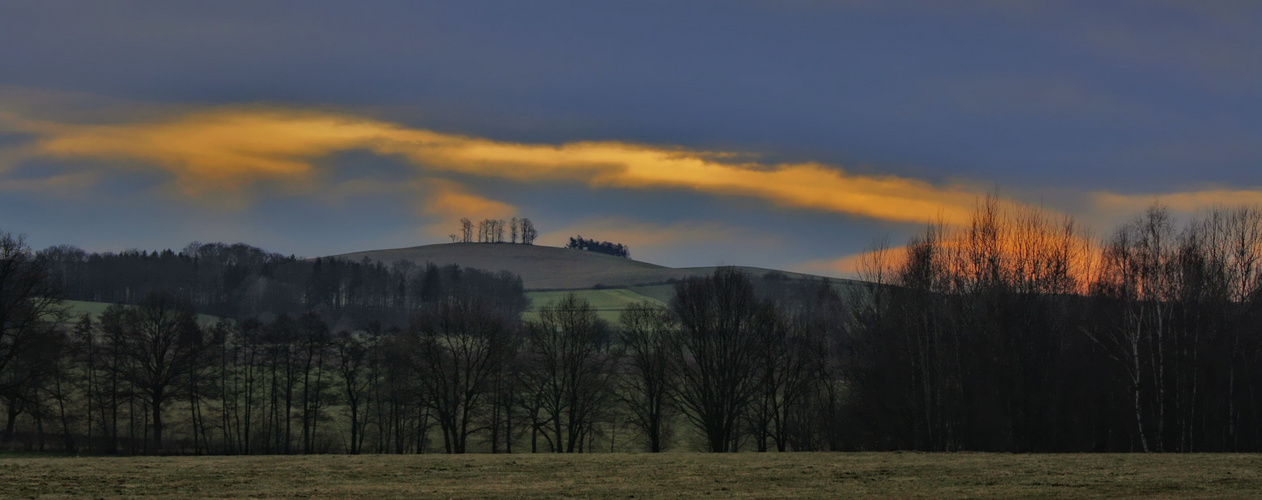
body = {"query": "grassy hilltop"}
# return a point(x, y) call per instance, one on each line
point(540, 267)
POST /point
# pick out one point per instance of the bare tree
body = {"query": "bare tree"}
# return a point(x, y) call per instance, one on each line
point(788, 371)
point(30, 309)
point(457, 347)
point(570, 370)
point(162, 339)
point(647, 333)
point(352, 362)
point(528, 232)
point(466, 230)
point(314, 342)
point(513, 225)
point(721, 324)
point(1137, 266)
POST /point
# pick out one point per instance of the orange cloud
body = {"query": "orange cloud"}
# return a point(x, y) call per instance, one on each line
point(1186, 201)
point(855, 266)
point(451, 200)
point(216, 150)
point(228, 149)
point(448, 201)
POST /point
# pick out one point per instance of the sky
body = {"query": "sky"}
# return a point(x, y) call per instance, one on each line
point(789, 135)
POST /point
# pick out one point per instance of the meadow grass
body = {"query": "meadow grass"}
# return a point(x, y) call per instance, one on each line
point(78, 308)
point(608, 303)
point(687, 475)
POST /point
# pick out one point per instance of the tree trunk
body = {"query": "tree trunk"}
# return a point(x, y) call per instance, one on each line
point(157, 424)
point(12, 421)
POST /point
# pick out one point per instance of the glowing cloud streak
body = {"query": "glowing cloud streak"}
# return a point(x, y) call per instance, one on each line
point(1186, 201)
point(229, 149)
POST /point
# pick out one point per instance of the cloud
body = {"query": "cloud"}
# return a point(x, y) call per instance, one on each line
point(848, 266)
point(441, 201)
point(1185, 201)
point(452, 201)
point(218, 150)
point(60, 185)
point(230, 150)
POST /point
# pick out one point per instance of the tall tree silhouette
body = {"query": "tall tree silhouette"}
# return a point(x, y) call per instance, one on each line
point(162, 340)
point(721, 323)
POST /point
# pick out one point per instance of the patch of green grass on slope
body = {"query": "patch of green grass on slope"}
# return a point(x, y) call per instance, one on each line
point(608, 302)
point(79, 308)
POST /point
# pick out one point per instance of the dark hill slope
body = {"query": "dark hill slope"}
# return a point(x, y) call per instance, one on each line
point(550, 268)
point(541, 268)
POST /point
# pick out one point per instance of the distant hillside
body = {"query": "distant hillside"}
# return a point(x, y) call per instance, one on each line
point(540, 267)
point(549, 268)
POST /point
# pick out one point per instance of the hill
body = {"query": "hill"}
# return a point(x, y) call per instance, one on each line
point(540, 267)
point(550, 268)
point(609, 283)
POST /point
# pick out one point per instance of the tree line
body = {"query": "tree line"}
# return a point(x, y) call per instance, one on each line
point(464, 372)
point(238, 281)
point(605, 247)
point(492, 231)
point(1015, 332)
point(1018, 333)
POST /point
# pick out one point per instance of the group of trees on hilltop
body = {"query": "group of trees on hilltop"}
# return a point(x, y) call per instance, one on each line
point(605, 247)
point(1013, 333)
point(492, 231)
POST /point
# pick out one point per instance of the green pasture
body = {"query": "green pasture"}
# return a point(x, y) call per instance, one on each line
point(78, 308)
point(608, 302)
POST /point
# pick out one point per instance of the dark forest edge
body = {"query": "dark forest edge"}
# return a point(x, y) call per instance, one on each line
point(1012, 333)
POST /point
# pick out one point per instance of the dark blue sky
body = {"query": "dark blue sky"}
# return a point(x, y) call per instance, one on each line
point(1090, 108)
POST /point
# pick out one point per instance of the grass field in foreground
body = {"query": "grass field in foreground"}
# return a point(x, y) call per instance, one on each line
point(805, 475)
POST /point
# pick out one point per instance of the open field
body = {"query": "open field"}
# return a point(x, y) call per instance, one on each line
point(750, 475)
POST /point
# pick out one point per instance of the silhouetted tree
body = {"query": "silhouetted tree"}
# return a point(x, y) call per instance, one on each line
point(716, 354)
point(570, 371)
point(161, 339)
point(466, 230)
point(30, 311)
point(647, 337)
point(352, 352)
point(605, 247)
point(457, 347)
point(528, 232)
